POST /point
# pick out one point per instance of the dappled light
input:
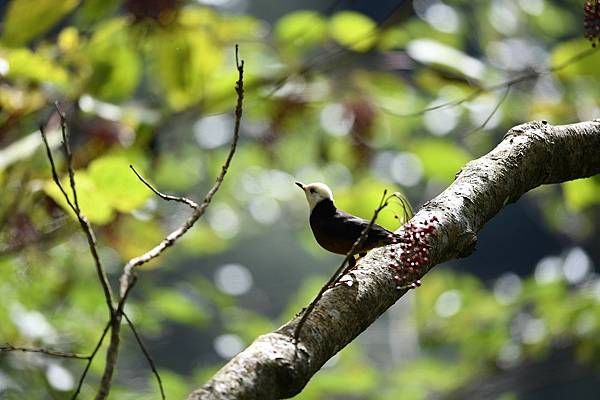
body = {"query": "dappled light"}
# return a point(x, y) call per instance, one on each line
point(151, 230)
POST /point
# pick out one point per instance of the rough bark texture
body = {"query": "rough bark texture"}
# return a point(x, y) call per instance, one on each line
point(530, 155)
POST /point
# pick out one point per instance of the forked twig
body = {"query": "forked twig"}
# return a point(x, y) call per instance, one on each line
point(74, 206)
point(129, 277)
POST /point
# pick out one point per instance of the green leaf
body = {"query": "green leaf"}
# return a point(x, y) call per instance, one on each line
point(247, 324)
point(173, 305)
point(352, 376)
point(132, 237)
point(116, 68)
point(301, 29)
point(441, 158)
point(353, 30)
point(202, 240)
point(581, 193)
point(25, 64)
point(28, 19)
point(363, 197)
point(117, 183)
point(107, 185)
point(175, 385)
point(184, 62)
point(566, 51)
point(92, 11)
point(92, 203)
point(393, 38)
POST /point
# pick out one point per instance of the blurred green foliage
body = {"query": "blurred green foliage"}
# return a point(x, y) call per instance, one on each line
point(339, 98)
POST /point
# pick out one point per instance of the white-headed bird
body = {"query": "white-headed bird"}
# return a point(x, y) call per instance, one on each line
point(336, 230)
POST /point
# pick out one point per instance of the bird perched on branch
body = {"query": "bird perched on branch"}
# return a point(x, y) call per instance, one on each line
point(336, 230)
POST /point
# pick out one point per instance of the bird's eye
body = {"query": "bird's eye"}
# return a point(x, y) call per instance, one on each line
point(312, 190)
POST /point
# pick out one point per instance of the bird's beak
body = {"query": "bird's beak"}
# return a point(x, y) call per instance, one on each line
point(300, 185)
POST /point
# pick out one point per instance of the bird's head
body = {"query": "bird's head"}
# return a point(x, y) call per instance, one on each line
point(315, 193)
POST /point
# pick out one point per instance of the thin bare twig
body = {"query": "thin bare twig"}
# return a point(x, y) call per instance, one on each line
point(342, 268)
point(68, 154)
point(163, 196)
point(83, 222)
point(87, 229)
point(493, 112)
point(128, 277)
point(144, 349)
point(201, 208)
point(485, 89)
point(90, 360)
point(9, 347)
point(55, 177)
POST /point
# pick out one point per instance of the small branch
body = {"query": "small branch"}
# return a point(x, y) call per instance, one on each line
point(199, 209)
point(8, 347)
point(163, 196)
point(89, 363)
point(54, 170)
point(128, 277)
point(87, 229)
point(341, 269)
point(83, 222)
point(485, 89)
point(68, 154)
point(147, 355)
point(493, 112)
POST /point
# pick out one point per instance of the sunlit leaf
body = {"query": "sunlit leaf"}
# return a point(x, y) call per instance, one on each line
point(202, 240)
point(133, 237)
point(171, 304)
point(183, 61)
point(117, 183)
point(115, 64)
point(25, 64)
point(353, 30)
point(441, 159)
point(93, 205)
point(174, 384)
point(27, 19)
point(301, 29)
point(92, 11)
point(247, 324)
point(566, 51)
point(581, 193)
point(363, 197)
point(393, 38)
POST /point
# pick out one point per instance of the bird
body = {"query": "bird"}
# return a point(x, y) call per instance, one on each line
point(336, 230)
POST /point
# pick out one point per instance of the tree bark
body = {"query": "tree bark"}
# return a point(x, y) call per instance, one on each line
point(530, 155)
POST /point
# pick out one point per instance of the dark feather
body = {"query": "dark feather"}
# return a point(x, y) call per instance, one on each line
point(337, 231)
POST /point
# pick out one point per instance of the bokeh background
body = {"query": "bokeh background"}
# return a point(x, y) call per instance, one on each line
point(361, 95)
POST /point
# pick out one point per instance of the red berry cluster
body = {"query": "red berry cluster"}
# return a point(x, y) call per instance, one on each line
point(591, 21)
point(414, 253)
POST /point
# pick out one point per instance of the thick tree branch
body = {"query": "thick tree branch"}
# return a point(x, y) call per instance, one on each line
point(530, 155)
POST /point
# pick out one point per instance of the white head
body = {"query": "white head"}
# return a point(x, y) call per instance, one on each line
point(315, 192)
